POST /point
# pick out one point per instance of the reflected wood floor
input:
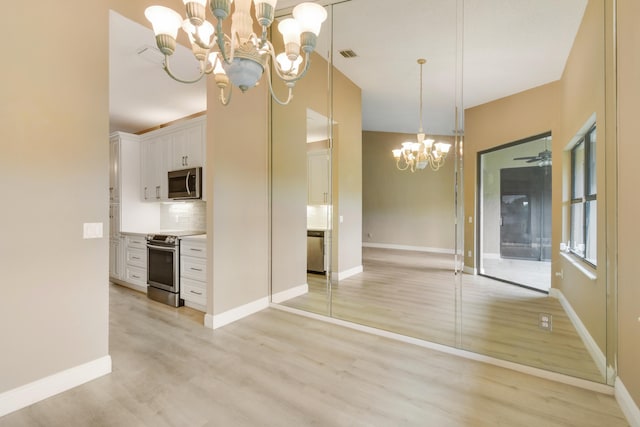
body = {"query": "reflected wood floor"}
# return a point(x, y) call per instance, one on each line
point(414, 294)
point(279, 369)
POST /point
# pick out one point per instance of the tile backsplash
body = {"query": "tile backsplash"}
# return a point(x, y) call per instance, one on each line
point(183, 216)
point(319, 216)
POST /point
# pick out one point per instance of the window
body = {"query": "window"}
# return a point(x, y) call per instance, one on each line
point(583, 217)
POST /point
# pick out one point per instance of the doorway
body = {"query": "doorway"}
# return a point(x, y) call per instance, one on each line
point(515, 213)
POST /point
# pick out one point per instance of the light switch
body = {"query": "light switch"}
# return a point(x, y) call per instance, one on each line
point(92, 230)
point(470, 220)
point(341, 219)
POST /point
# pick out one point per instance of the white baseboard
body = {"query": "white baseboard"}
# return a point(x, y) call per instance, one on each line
point(627, 404)
point(592, 347)
point(408, 248)
point(537, 372)
point(469, 270)
point(288, 294)
point(38, 390)
point(230, 316)
point(341, 275)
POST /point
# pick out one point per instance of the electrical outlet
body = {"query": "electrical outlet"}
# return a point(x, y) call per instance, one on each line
point(545, 321)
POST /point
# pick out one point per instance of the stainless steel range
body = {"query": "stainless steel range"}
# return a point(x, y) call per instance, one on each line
point(163, 266)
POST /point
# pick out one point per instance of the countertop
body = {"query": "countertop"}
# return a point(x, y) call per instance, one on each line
point(198, 237)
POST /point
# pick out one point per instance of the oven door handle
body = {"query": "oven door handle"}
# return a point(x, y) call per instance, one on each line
point(162, 248)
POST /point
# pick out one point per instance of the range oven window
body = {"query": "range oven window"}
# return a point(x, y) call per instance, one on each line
point(162, 267)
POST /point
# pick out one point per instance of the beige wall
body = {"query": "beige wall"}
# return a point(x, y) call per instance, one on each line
point(562, 107)
point(404, 208)
point(628, 203)
point(347, 173)
point(54, 160)
point(582, 93)
point(505, 120)
point(237, 198)
point(289, 175)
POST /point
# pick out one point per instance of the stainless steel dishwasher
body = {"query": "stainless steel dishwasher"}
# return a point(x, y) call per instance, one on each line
point(315, 251)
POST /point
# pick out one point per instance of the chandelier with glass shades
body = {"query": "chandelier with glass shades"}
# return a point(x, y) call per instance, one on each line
point(241, 57)
point(417, 155)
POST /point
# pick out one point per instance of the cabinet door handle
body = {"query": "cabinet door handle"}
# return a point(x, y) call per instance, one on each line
point(135, 276)
point(195, 269)
point(194, 292)
point(157, 191)
point(186, 160)
point(146, 196)
point(195, 250)
point(135, 257)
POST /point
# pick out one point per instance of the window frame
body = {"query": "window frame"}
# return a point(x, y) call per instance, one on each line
point(588, 142)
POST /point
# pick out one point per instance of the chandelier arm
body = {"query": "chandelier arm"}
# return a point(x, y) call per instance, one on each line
point(406, 165)
point(276, 65)
point(273, 95)
point(201, 43)
point(225, 100)
point(166, 67)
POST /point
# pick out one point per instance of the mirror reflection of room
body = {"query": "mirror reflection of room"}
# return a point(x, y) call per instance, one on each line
point(392, 265)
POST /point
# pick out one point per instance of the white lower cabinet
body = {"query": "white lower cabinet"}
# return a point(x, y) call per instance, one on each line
point(193, 273)
point(116, 246)
point(135, 263)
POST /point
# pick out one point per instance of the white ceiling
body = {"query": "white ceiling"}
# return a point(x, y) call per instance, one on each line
point(508, 46)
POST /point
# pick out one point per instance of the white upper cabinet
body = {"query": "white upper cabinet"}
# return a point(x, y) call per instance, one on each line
point(187, 148)
point(318, 177)
point(153, 168)
point(167, 149)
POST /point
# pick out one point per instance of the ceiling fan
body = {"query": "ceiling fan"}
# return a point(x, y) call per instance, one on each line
point(543, 158)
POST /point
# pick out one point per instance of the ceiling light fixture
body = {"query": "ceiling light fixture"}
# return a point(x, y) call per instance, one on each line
point(243, 57)
point(417, 155)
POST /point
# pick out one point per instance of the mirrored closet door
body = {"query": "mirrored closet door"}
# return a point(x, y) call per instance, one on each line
point(437, 255)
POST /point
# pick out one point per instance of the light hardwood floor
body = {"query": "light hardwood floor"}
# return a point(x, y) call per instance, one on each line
point(414, 294)
point(279, 369)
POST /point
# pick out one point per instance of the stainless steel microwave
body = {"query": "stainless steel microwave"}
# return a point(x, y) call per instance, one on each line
point(185, 184)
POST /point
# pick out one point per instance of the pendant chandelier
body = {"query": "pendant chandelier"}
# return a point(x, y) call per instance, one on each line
point(417, 155)
point(242, 57)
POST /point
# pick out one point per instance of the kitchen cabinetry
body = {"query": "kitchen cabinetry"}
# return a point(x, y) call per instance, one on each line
point(193, 272)
point(115, 258)
point(187, 147)
point(114, 166)
point(153, 169)
point(127, 212)
point(135, 268)
point(318, 177)
point(115, 240)
point(171, 148)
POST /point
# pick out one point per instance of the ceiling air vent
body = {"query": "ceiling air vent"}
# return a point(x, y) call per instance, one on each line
point(348, 53)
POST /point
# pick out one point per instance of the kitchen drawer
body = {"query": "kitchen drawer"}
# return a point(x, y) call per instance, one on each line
point(193, 268)
point(136, 241)
point(136, 257)
point(194, 291)
point(193, 248)
point(136, 275)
